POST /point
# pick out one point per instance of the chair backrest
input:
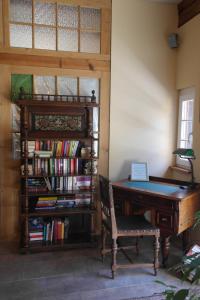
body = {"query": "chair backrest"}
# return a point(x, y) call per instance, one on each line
point(107, 204)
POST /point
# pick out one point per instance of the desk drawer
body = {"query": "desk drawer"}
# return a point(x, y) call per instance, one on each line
point(164, 220)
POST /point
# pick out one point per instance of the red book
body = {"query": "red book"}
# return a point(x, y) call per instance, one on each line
point(37, 145)
point(72, 166)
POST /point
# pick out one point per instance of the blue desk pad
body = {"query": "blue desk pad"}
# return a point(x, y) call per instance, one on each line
point(153, 187)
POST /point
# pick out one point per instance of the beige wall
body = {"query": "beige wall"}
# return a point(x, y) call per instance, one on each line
point(143, 88)
point(188, 74)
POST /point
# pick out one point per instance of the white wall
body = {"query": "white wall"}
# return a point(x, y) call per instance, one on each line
point(143, 93)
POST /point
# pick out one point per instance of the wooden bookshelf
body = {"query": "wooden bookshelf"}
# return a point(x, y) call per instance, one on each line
point(58, 186)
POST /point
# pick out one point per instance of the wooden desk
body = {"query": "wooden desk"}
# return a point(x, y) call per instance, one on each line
point(172, 203)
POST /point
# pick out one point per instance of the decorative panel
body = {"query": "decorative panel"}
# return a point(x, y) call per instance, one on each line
point(87, 85)
point(67, 86)
point(51, 119)
point(90, 42)
point(45, 38)
point(44, 85)
point(56, 122)
point(68, 40)
point(67, 16)
point(90, 18)
point(21, 11)
point(20, 36)
point(45, 13)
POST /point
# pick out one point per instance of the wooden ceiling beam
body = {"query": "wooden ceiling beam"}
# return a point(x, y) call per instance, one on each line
point(54, 62)
point(188, 9)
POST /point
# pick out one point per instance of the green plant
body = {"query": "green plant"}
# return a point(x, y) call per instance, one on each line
point(190, 270)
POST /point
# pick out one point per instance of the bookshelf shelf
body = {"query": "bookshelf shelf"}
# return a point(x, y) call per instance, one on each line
point(61, 212)
point(59, 155)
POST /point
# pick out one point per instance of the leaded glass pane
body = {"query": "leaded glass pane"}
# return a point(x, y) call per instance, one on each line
point(187, 110)
point(20, 36)
point(186, 130)
point(90, 18)
point(44, 85)
point(95, 121)
point(67, 85)
point(45, 13)
point(67, 40)
point(90, 42)
point(21, 11)
point(45, 38)
point(86, 86)
point(67, 16)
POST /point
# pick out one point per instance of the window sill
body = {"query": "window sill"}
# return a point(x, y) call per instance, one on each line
point(180, 169)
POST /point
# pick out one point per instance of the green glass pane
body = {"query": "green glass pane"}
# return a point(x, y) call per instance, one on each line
point(21, 80)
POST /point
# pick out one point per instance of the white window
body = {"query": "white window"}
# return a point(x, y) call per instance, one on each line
point(185, 122)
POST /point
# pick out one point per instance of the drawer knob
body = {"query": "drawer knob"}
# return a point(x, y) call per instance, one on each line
point(164, 219)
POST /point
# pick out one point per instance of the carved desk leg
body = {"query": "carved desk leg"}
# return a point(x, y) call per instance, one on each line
point(165, 249)
point(185, 240)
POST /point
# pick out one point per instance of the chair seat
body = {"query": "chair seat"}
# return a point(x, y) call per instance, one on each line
point(134, 224)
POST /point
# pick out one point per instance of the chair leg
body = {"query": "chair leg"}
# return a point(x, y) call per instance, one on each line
point(137, 245)
point(114, 258)
point(156, 253)
point(104, 234)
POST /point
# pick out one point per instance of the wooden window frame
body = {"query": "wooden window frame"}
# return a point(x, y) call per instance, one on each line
point(56, 27)
point(184, 95)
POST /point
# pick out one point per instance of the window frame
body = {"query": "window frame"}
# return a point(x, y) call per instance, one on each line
point(57, 27)
point(186, 94)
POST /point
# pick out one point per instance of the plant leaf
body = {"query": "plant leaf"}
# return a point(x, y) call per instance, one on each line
point(181, 294)
point(166, 285)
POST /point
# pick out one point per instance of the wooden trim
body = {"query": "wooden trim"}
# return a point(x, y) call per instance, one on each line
point(104, 119)
point(54, 62)
point(184, 4)
point(33, 24)
point(53, 53)
point(188, 9)
point(1, 24)
point(85, 3)
point(105, 31)
point(44, 71)
point(88, 3)
point(6, 31)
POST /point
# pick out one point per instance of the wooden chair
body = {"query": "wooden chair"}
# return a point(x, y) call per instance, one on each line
point(124, 226)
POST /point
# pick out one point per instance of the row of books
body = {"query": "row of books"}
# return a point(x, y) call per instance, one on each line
point(63, 183)
point(54, 202)
point(50, 230)
point(55, 166)
point(54, 148)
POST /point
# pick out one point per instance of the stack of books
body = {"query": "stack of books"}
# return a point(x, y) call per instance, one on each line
point(36, 229)
point(46, 203)
point(59, 202)
point(37, 185)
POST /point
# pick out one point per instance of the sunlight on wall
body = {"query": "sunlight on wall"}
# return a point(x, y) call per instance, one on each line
point(143, 95)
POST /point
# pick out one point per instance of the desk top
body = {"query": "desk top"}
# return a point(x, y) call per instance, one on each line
point(157, 188)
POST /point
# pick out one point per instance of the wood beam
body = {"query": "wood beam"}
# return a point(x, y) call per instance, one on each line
point(54, 62)
point(188, 9)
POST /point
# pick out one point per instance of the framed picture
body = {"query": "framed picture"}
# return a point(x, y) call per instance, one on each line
point(139, 171)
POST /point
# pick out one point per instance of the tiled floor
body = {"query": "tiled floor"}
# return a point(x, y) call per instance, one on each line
point(77, 275)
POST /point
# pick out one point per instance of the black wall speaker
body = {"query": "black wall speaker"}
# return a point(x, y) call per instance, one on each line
point(173, 41)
